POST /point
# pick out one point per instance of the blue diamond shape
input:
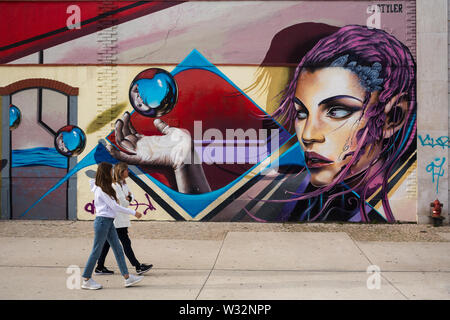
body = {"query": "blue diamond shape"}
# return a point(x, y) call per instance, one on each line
point(193, 204)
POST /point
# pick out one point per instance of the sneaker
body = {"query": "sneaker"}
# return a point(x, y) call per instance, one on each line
point(143, 268)
point(132, 280)
point(91, 285)
point(103, 270)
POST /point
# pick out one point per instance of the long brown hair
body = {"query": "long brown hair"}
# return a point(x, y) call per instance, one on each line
point(118, 171)
point(103, 179)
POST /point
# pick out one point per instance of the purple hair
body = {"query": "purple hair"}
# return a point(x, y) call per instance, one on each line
point(366, 47)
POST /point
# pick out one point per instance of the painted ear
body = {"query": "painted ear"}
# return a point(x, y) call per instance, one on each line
point(395, 111)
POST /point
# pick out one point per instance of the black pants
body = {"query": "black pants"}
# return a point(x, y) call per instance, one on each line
point(126, 243)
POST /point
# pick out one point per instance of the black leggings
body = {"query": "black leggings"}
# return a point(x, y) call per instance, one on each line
point(126, 243)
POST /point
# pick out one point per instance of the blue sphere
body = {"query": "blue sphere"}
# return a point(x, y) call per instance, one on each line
point(153, 92)
point(14, 117)
point(70, 141)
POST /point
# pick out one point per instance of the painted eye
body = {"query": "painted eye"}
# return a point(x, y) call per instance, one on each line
point(302, 114)
point(338, 112)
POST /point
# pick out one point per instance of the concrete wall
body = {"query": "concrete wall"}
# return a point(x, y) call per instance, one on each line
point(432, 95)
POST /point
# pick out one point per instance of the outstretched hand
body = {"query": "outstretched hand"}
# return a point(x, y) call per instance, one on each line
point(171, 149)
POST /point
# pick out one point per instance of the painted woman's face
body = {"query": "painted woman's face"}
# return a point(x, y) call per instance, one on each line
point(329, 104)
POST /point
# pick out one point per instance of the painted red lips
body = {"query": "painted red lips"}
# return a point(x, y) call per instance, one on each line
point(315, 160)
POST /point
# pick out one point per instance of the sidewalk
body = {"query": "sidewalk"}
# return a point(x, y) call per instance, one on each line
point(234, 265)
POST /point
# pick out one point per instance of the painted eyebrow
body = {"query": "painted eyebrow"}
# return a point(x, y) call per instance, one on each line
point(325, 101)
point(297, 101)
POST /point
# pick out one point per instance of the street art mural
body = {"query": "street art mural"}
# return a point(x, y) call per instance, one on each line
point(311, 117)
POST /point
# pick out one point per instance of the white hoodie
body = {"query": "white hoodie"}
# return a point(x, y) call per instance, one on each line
point(122, 191)
point(105, 206)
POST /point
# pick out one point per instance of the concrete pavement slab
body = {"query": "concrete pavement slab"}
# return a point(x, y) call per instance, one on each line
point(184, 254)
point(421, 285)
point(408, 256)
point(46, 252)
point(175, 254)
point(293, 285)
point(311, 251)
point(50, 283)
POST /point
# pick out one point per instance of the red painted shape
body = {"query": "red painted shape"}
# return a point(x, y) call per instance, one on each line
point(205, 96)
point(22, 21)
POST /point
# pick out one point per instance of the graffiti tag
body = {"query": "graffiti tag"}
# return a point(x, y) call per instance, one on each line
point(90, 206)
point(443, 141)
point(148, 205)
point(436, 170)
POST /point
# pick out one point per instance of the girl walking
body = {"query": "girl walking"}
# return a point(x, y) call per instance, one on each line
point(121, 223)
point(106, 207)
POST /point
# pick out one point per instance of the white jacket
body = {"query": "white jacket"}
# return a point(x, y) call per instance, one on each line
point(105, 206)
point(122, 220)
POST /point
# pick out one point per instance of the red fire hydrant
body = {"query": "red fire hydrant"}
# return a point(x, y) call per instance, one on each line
point(437, 209)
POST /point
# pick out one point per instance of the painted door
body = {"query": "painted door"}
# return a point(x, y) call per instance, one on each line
point(36, 166)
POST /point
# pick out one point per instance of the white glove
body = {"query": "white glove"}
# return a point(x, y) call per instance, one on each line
point(172, 149)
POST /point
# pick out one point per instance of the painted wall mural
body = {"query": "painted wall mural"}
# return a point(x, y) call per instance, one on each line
point(301, 111)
